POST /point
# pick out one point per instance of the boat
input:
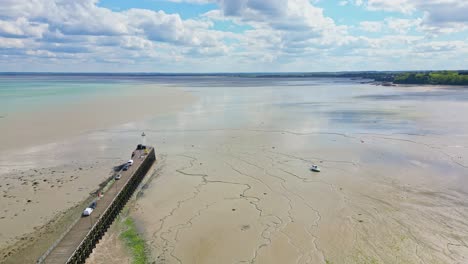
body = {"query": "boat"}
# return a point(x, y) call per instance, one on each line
point(315, 168)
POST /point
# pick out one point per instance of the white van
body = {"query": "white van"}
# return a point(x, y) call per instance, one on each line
point(88, 211)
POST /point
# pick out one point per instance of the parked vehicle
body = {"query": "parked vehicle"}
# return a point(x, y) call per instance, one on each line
point(118, 176)
point(130, 162)
point(125, 167)
point(89, 209)
point(140, 147)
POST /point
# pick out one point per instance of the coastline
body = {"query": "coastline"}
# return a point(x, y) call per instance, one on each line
point(61, 122)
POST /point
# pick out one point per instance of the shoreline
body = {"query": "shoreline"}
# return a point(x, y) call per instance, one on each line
point(30, 129)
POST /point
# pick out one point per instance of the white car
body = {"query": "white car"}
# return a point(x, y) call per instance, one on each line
point(130, 162)
point(88, 211)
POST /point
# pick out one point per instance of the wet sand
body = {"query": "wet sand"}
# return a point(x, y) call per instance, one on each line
point(62, 122)
point(252, 199)
point(392, 187)
point(233, 183)
point(110, 249)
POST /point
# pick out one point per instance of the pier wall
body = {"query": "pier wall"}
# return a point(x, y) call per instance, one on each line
point(86, 243)
point(104, 222)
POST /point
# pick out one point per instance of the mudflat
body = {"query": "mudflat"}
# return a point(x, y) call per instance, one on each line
point(392, 187)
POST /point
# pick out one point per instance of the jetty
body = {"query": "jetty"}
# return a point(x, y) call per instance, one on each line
point(79, 241)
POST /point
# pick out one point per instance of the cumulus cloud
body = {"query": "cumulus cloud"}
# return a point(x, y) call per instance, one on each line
point(279, 14)
point(68, 26)
point(21, 27)
point(8, 43)
point(439, 15)
point(274, 32)
point(282, 28)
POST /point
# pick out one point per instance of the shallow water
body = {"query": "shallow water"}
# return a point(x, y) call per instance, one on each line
point(294, 105)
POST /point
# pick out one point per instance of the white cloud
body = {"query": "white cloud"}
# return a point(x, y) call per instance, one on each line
point(21, 27)
point(9, 43)
point(439, 46)
point(274, 33)
point(343, 3)
point(403, 6)
point(371, 26)
point(401, 25)
point(440, 16)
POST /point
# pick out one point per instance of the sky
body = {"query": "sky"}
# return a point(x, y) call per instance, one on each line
point(232, 35)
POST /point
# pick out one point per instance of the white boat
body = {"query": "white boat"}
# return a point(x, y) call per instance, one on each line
point(315, 168)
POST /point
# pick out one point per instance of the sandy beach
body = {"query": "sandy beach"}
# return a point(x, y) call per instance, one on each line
point(233, 183)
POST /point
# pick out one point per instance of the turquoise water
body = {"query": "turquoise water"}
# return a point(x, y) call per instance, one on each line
point(300, 104)
point(26, 93)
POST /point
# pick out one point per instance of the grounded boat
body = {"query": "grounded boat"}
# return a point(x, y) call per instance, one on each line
point(315, 168)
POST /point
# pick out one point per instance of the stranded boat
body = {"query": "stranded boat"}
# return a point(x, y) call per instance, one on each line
point(315, 168)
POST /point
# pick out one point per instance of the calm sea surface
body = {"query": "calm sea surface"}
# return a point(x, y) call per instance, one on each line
point(297, 104)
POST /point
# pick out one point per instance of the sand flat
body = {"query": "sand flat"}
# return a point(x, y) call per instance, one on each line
point(351, 212)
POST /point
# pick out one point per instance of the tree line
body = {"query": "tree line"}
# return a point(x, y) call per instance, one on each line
point(442, 77)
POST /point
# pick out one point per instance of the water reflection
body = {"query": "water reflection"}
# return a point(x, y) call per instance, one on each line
point(243, 104)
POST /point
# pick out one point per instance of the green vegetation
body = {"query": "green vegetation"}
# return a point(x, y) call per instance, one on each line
point(424, 77)
point(134, 242)
point(445, 77)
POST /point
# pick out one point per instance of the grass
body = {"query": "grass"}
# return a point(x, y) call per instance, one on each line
point(134, 242)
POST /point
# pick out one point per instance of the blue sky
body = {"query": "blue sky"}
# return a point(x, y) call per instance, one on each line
point(233, 35)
